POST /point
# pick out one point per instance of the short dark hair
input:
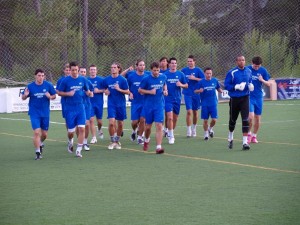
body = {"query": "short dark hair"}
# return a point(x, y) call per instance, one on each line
point(257, 60)
point(192, 57)
point(38, 71)
point(67, 65)
point(172, 58)
point(92, 65)
point(154, 65)
point(74, 64)
point(164, 58)
point(138, 61)
point(207, 68)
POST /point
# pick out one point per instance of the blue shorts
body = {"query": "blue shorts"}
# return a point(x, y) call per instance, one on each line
point(39, 122)
point(211, 111)
point(136, 111)
point(97, 110)
point(75, 118)
point(173, 106)
point(256, 106)
point(63, 111)
point(192, 102)
point(117, 112)
point(88, 111)
point(154, 115)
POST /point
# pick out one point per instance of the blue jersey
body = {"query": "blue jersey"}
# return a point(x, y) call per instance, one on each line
point(237, 76)
point(134, 81)
point(149, 83)
point(115, 98)
point(79, 85)
point(209, 96)
point(163, 71)
point(62, 98)
point(97, 82)
point(86, 99)
point(39, 104)
point(174, 92)
point(258, 86)
point(198, 73)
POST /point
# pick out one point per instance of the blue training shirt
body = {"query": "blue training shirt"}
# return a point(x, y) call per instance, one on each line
point(39, 104)
point(198, 73)
point(115, 98)
point(209, 95)
point(237, 76)
point(149, 83)
point(97, 82)
point(134, 81)
point(258, 86)
point(174, 92)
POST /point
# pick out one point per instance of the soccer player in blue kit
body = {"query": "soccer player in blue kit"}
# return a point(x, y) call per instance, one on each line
point(116, 87)
point(260, 77)
point(238, 83)
point(175, 81)
point(192, 101)
point(74, 87)
point(39, 92)
point(209, 101)
point(154, 87)
point(97, 103)
point(137, 101)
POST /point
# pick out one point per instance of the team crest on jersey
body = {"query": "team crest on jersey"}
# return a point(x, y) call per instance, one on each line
point(44, 90)
point(176, 76)
point(160, 81)
point(80, 83)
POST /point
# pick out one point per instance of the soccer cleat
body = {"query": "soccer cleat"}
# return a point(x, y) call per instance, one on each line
point(230, 144)
point(160, 151)
point(100, 133)
point(194, 133)
point(146, 146)
point(94, 140)
point(171, 140)
point(86, 147)
point(205, 138)
point(118, 145)
point(111, 145)
point(211, 133)
point(70, 147)
point(246, 147)
point(254, 140)
point(140, 141)
point(249, 138)
point(78, 154)
point(38, 156)
point(133, 136)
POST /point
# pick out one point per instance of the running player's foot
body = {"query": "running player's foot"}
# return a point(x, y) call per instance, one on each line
point(140, 141)
point(160, 151)
point(94, 140)
point(211, 133)
point(118, 145)
point(230, 144)
point(254, 140)
point(146, 146)
point(37, 156)
point(133, 136)
point(122, 134)
point(101, 135)
point(41, 149)
point(188, 133)
point(111, 145)
point(246, 147)
point(70, 147)
point(171, 140)
point(249, 138)
point(78, 154)
point(165, 133)
point(194, 133)
point(86, 147)
point(206, 138)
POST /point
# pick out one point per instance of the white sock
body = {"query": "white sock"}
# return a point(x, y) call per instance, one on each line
point(253, 135)
point(230, 136)
point(189, 128)
point(140, 137)
point(85, 141)
point(38, 150)
point(245, 140)
point(171, 133)
point(79, 147)
point(194, 126)
point(158, 146)
point(206, 133)
point(147, 140)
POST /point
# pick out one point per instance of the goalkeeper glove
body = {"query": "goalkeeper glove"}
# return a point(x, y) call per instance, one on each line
point(240, 86)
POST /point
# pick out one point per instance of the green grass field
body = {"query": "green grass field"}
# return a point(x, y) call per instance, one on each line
point(194, 182)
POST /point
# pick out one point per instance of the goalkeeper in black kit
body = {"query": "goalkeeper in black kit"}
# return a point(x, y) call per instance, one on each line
point(238, 83)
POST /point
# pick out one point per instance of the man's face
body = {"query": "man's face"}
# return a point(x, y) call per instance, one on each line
point(82, 71)
point(141, 67)
point(155, 71)
point(208, 74)
point(114, 69)
point(256, 67)
point(93, 71)
point(39, 77)
point(173, 65)
point(74, 71)
point(241, 62)
point(67, 71)
point(191, 63)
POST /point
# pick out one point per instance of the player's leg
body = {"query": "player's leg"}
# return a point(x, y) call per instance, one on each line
point(204, 117)
point(99, 115)
point(195, 108)
point(93, 130)
point(257, 119)
point(81, 122)
point(141, 130)
point(234, 110)
point(244, 104)
point(134, 121)
point(251, 117)
point(188, 106)
point(213, 111)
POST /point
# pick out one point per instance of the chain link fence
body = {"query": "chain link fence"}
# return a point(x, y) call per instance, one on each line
point(49, 33)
